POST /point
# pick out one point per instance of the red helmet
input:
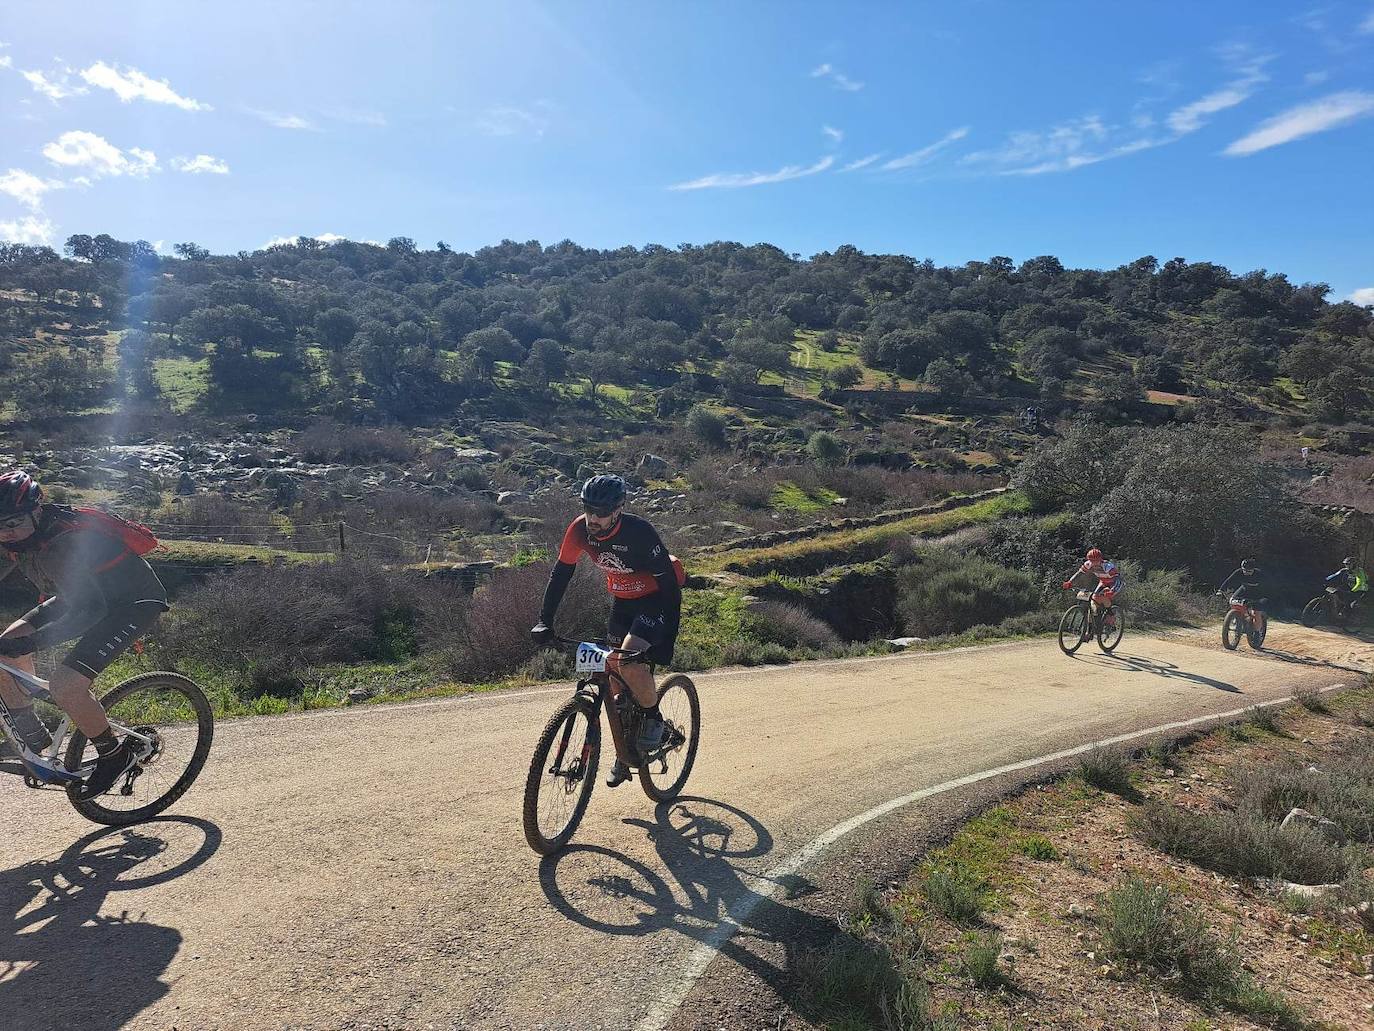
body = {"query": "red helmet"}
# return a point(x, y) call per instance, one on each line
point(19, 492)
point(1094, 554)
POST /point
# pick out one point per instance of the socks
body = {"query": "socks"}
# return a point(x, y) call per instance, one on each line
point(105, 742)
point(35, 735)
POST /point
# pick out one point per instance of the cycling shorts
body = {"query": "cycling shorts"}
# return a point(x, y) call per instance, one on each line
point(644, 618)
point(102, 643)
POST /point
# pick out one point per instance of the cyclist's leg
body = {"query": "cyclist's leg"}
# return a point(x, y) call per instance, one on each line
point(70, 684)
point(17, 701)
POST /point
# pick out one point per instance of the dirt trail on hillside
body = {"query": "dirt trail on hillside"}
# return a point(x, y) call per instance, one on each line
point(1295, 641)
point(365, 868)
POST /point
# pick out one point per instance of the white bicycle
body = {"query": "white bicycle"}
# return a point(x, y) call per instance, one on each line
point(165, 714)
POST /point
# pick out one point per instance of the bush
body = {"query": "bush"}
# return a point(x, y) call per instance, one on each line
point(1342, 791)
point(1107, 769)
point(945, 592)
point(330, 441)
point(955, 893)
point(706, 425)
point(778, 622)
point(1263, 717)
point(980, 962)
point(825, 448)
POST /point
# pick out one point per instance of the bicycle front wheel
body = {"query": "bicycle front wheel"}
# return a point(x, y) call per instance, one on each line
point(562, 775)
point(1258, 629)
point(1312, 612)
point(173, 726)
point(663, 774)
point(1231, 632)
point(1071, 627)
point(1110, 626)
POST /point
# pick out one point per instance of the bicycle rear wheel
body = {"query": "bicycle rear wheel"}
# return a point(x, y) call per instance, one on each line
point(663, 774)
point(562, 775)
point(1231, 632)
point(1111, 624)
point(174, 715)
point(1071, 627)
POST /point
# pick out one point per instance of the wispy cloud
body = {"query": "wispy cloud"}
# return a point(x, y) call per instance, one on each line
point(279, 241)
point(6, 61)
point(1364, 295)
point(920, 157)
point(508, 120)
point(1304, 120)
point(836, 78)
point(30, 229)
point(284, 120)
point(130, 84)
point(201, 164)
point(734, 180)
point(863, 162)
point(98, 157)
point(1367, 26)
point(1057, 144)
point(835, 136)
point(1316, 78)
point(27, 188)
point(59, 87)
point(1249, 74)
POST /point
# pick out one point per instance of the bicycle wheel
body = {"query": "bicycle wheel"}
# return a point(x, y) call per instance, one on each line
point(1071, 627)
point(1231, 632)
point(173, 713)
point(1258, 629)
point(1312, 612)
point(562, 775)
point(1111, 624)
point(663, 774)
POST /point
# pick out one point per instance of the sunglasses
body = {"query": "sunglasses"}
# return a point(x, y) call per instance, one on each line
point(600, 513)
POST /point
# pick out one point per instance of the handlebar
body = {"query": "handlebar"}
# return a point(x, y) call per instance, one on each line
point(567, 642)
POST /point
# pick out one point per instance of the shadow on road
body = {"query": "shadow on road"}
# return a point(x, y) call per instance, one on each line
point(1158, 667)
point(700, 842)
point(63, 963)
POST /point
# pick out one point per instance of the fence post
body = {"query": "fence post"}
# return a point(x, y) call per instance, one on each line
point(341, 538)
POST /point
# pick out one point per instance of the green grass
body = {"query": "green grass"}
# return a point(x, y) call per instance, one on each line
point(788, 496)
point(215, 553)
point(182, 381)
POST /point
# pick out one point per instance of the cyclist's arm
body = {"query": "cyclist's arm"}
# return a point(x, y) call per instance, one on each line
point(568, 554)
point(79, 603)
point(1339, 574)
point(1227, 582)
point(661, 566)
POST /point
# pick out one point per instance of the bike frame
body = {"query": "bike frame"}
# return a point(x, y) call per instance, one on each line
point(596, 688)
point(48, 766)
point(1246, 612)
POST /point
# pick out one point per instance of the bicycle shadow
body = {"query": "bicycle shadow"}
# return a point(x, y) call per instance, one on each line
point(1157, 667)
point(64, 964)
point(700, 842)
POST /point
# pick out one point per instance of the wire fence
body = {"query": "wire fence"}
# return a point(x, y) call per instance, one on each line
point(340, 538)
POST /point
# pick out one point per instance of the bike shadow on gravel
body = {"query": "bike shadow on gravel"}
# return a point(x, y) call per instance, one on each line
point(706, 896)
point(64, 963)
point(1157, 667)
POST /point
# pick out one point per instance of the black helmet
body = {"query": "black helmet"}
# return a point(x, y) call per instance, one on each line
point(19, 493)
point(1348, 561)
point(1247, 564)
point(603, 493)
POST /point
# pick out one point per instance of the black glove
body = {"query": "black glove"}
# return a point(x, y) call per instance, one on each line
point(541, 633)
point(13, 647)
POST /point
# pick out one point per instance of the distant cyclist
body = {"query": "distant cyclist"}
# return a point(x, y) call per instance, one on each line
point(1352, 580)
point(94, 588)
point(1103, 576)
point(1245, 584)
point(644, 581)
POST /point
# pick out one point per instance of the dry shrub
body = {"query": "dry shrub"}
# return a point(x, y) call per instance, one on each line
point(791, 626)
point(330, 441)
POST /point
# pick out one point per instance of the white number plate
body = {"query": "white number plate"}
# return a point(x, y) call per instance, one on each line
point(591, 658)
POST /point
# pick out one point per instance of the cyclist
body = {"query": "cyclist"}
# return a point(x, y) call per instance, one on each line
point(1248, 584)
point(1352, 579)
point(1105, 574)
point(644, 581)
point(95, 588)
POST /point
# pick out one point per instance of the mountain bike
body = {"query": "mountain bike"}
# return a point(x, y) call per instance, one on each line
point(167, 716)
point(1091, 615)
point(1243, 620)
point(1331, 606)
point(563, 771)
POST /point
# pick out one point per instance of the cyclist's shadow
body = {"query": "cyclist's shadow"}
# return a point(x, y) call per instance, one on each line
point(700, 841)
point(63, 963)
point(1157, 667)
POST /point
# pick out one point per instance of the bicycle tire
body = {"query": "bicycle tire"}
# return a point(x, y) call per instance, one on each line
point(1071, 625)
point(1311, 612)
point(545, 844)
point(1111, 633)
point(664, 793)
point(1258, 631)
point(1231, 632)
point(92, 808)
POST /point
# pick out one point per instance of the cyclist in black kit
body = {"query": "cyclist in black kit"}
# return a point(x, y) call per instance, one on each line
point(646, 583)
point(95, 588)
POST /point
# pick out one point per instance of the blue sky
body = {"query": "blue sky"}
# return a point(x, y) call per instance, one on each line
point(1241, 133)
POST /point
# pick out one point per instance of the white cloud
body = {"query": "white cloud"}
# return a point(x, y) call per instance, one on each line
point(1061, 141)
point(26, 188)
point(282, 120)
point(6, 61)
point(734, 180)
point(834, 135)
point(863, 162)
point(836, 77)
point(57, 88)
point(1304, 120)
point(1249, 74)
point(920, 157)
point(29, 229)
point(131, 84)
point(100, 157)
point(1364, 295)
point(201, 163)
point(513, 121)
point(1079, 160)
point(1367, 26)
point(278, 241)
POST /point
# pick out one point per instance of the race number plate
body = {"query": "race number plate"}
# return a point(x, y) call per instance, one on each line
point(591, 658)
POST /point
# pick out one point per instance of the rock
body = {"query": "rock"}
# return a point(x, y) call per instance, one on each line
point(186, 485)
point(358, 694)
point(1328, 829)
point(1365, 913)
point(904, 642)
point(1077, 911)
point(1311, 891)
point(512, 497)
point(652, 466)
point(246, 459)
point(480, 455)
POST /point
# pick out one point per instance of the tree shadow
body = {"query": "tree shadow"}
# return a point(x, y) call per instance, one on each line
point(62, 963)
point(1157, 667)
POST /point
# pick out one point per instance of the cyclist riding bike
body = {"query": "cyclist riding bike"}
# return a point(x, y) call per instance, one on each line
point(1096, 570)
point(1352, 579)
point(95, 587)
point(1248, 584)
point(645, 582)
